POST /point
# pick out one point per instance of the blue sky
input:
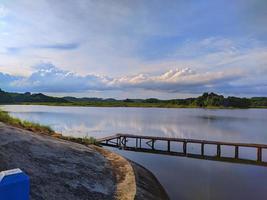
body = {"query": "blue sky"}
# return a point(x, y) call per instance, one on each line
point(135, 49)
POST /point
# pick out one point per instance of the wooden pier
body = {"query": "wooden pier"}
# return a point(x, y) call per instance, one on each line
point(121, 141)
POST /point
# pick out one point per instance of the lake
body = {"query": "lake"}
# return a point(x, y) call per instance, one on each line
point(183, 178)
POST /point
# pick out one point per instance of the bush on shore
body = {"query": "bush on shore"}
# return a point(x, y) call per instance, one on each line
point(42, 129)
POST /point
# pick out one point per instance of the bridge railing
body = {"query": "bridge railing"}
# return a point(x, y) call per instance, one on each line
point(121, 141)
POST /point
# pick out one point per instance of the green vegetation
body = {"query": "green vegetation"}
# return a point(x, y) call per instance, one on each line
point(84, 140)
point(16, 98)
point(41, 129)
point(207, 100)
point(35, 127)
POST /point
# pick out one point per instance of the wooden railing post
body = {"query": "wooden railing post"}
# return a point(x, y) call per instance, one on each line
point(124, 141)
point(169, 145)
point(236, 152)
point(184, 147)
point(120, 141)
point(153, 144)
point(218, 150)
point(259, 149)
point(202, 149)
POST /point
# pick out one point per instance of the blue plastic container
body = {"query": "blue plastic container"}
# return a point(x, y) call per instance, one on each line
point(14, 185)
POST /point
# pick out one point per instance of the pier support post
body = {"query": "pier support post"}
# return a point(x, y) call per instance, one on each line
point(153, 144)
point(120, 142)
point(184, 147)
point(259, 152)
point(218, 150)
point(169, 145)
point(236, 152)
point(202, 149)
point(124, 142)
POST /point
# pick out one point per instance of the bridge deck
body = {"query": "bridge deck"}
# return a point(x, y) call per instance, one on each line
point(121, 140)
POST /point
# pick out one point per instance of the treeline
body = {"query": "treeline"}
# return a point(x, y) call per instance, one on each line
point(16, 98)
point(207, 100)
point(210, 100)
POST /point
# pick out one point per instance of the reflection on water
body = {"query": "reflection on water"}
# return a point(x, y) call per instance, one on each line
point(183, 178)
point(186, 178)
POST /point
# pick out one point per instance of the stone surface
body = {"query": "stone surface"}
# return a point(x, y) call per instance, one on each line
point(57, 169)
point(63, 170)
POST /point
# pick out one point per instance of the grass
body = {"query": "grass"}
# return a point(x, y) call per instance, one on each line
point(132, 104)
point(35, 127)
point(42, 129)
point(114, 104)
point(84, 140)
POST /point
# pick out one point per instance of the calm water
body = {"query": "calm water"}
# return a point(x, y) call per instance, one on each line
point(183, 178)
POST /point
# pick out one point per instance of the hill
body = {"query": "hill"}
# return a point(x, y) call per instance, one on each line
point(206, 100)
point(15, 98)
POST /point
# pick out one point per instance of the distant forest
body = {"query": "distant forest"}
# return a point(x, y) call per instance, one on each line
point(207, 100)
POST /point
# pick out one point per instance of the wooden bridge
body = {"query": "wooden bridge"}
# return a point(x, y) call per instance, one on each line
point(147, 144)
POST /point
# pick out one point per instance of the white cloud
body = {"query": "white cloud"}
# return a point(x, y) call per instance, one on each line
point(3, 11)
point(178, 80)
point(48, 78)
point(122, 38)
point(113, 36)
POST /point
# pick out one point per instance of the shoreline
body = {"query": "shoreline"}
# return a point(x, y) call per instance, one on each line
point(125, 173)
point(144, 186)
point(134, 106)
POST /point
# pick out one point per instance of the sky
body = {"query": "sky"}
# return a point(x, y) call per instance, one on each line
point(134, 49)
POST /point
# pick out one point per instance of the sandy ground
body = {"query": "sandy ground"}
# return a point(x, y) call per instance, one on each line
point(60, 169)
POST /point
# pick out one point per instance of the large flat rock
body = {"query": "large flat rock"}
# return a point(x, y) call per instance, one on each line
point(58, 169)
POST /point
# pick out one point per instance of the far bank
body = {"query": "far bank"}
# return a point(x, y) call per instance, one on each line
point(206, 100)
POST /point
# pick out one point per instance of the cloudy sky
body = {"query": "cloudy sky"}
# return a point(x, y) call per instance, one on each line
point(135, 49)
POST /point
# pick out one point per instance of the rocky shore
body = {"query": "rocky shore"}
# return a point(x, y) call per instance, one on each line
point(60, 169)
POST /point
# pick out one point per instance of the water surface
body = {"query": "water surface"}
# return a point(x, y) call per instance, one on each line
point(183, 178)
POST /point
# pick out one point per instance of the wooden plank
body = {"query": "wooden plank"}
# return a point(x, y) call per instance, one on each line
point(107, 138)
point(194, 141)
point(197, 156)
point(121, 140)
